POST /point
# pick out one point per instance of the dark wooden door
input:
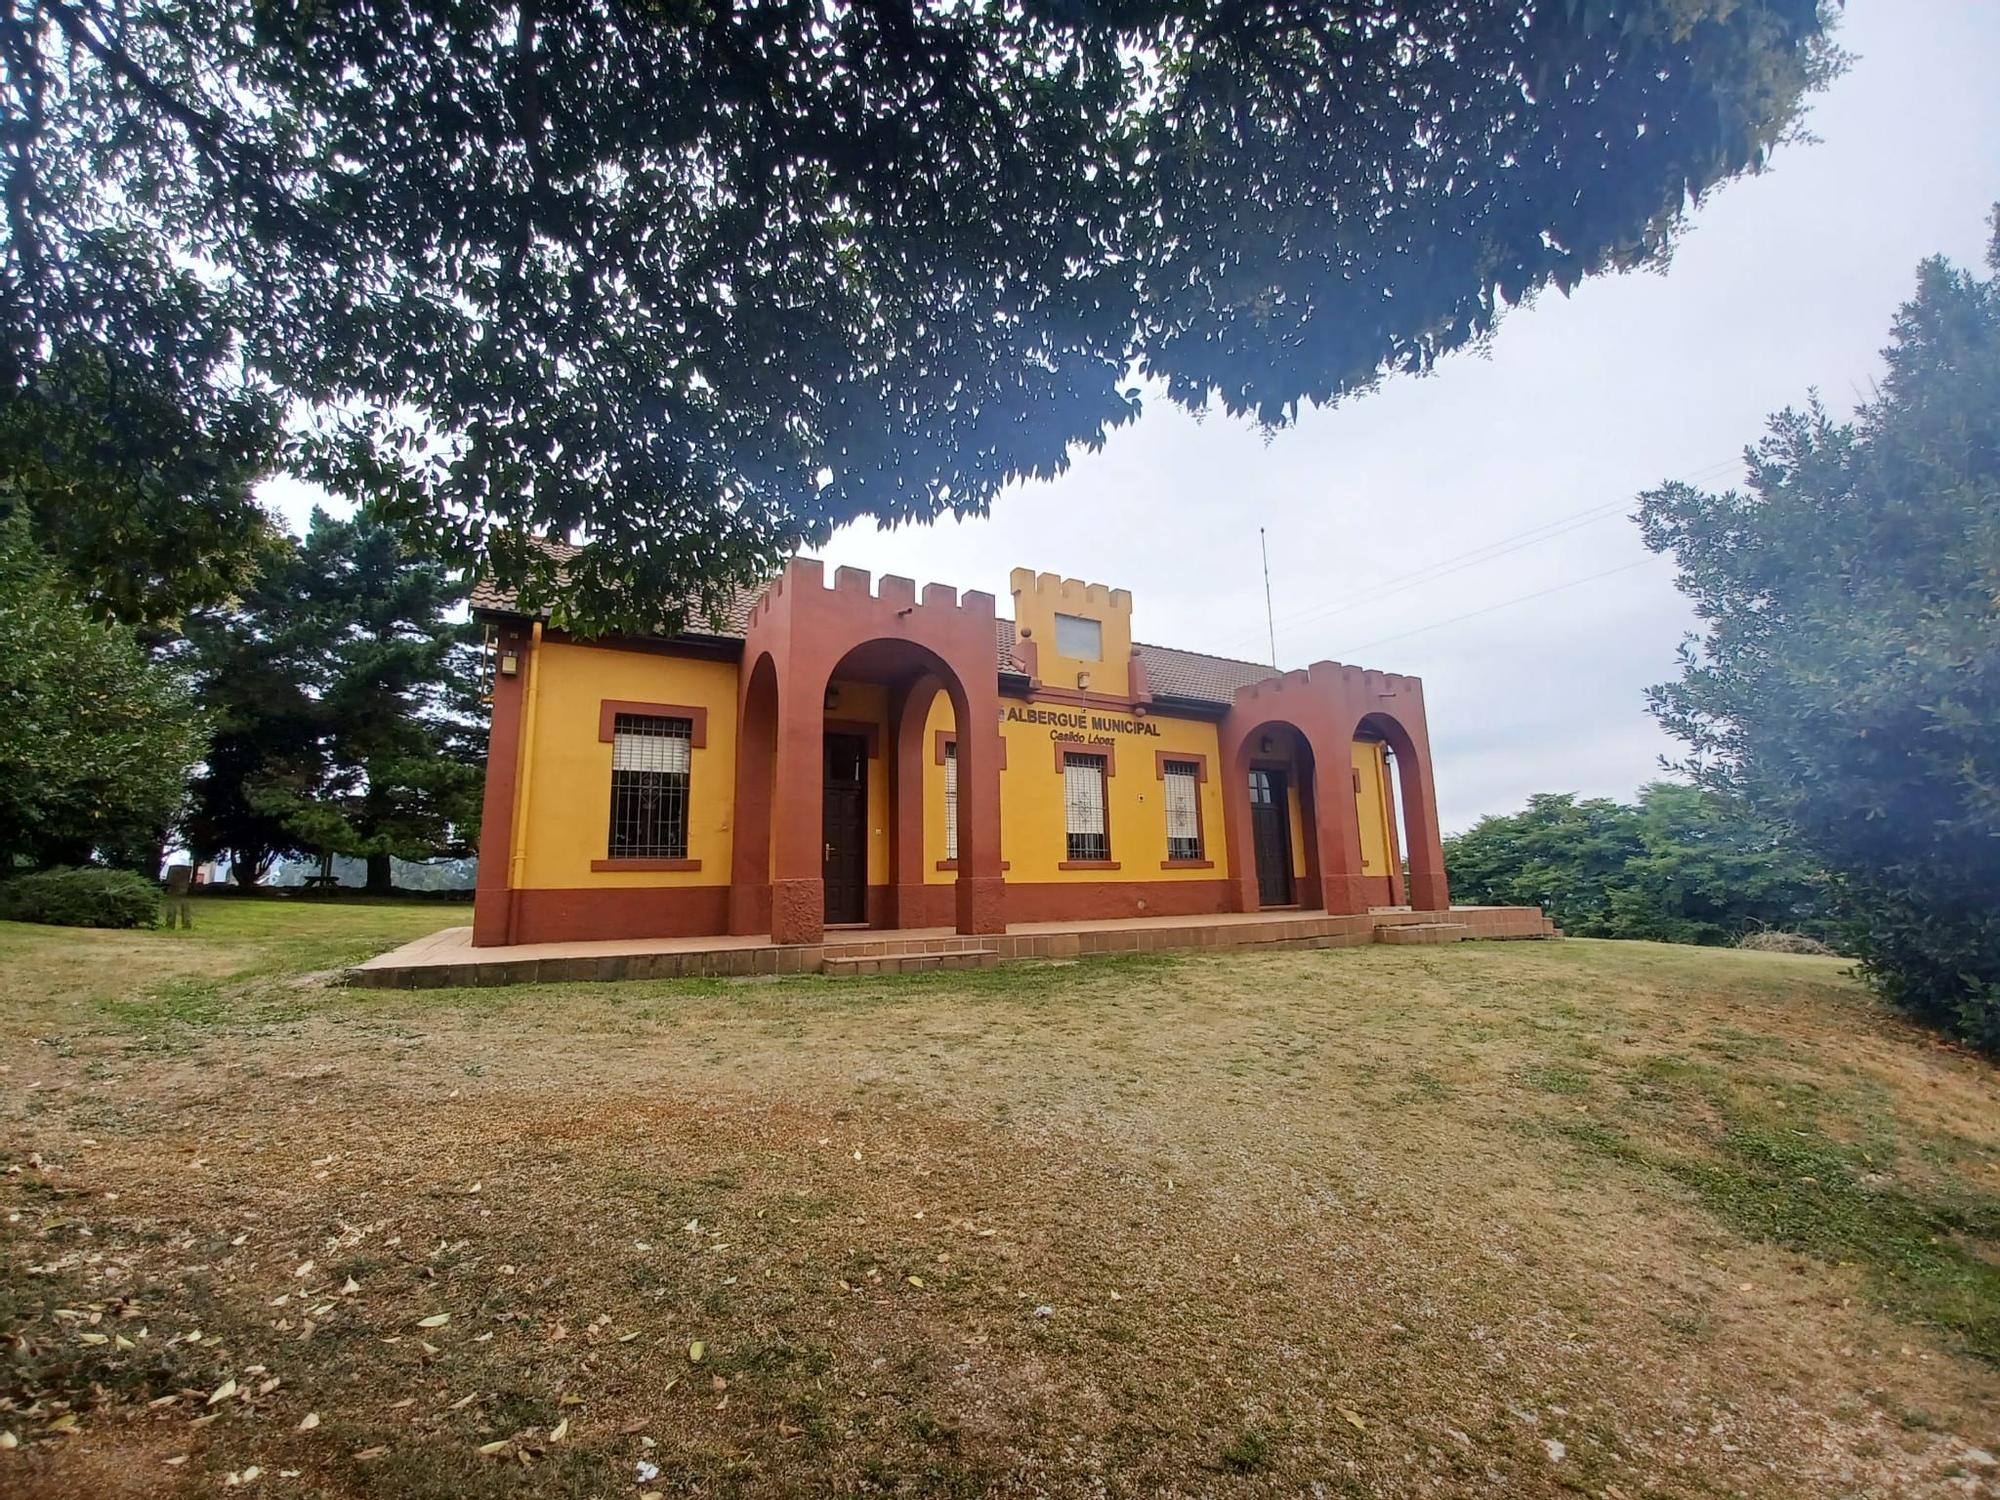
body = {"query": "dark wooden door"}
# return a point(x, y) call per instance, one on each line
point(844, 827)
point(1271, 831)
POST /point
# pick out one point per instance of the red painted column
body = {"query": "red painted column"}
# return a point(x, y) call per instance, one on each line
point(750, 817)
point(798, 885)
point(1429, 890)
point(982, 889)
point(1238, 834)
point(492, 898)
point(1343, 888)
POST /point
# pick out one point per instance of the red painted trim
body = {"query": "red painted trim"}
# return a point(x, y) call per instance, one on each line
point(1200, 764)
point(579, 915)
point(952, 864)
point(1078, 698)
point(609, 709)
point(861, 729)
point(1090, 864)
point(1078, 747)
point(943, 737)
point(599, 866)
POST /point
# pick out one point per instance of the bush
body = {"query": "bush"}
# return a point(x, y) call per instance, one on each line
point(1785, 942)
point(81, 898)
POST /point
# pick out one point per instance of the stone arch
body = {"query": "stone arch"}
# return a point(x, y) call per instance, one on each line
point(889, 634)
point(1262, 745)
point(756, 780)
point(1423, 844)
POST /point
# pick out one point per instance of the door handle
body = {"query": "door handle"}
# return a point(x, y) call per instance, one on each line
point(826, 851)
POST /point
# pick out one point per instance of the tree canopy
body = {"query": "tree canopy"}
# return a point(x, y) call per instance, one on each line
point(1685, 865)
point(692, 283)
point(345, 698)
point(96, 738)
point(1848, 682)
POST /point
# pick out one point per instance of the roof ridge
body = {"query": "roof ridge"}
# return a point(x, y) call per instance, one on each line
point(1237, 661)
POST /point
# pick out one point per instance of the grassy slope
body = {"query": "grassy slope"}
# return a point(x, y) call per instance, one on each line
point(1596, 1218)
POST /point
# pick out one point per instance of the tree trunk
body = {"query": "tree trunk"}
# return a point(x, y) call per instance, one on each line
point(247, 866)
point(379, 875)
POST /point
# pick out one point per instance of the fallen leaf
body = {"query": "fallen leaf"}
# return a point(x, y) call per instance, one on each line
point(560, 1431)
point(1353, 1420)
point(435, 1320)
point(696, 1351)
point(306, 1269)
point(492, 1448)
point(309, 1421)
point(223, 1392)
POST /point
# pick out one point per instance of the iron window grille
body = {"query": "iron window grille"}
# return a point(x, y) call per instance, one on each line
point(1083, 807)
point(650, 758)
point(951, 800)
point(1183, 811)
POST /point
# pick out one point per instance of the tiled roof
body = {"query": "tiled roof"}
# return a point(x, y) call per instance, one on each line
point(1187, 675)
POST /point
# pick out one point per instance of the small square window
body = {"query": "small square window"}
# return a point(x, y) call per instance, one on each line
point(1079, 638)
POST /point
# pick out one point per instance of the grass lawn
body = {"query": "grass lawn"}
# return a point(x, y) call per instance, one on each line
point(1565, 1218)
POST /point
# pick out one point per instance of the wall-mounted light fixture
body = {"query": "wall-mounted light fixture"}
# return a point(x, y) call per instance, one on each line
point(510, 663)
point(1264, 744)
point(832, 696)
point(1083, 681)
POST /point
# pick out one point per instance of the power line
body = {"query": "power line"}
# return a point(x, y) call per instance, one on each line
point(1503, 604)
point(1513, 542)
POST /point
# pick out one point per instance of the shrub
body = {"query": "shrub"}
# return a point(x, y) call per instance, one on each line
point(81, 898)
point(1785, 942)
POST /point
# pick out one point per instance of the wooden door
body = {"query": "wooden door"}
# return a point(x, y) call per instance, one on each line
point(1271, 831)
point(844, 827)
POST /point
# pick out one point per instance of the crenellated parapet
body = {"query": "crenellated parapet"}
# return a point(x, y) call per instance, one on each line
point(1041, 600)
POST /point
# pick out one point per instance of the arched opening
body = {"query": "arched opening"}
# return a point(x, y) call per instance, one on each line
point(756, 794)
point(1276, 835)
point(1404, 807)
point(890, 710)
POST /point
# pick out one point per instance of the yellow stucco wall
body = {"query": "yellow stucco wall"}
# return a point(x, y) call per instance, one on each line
point(568, 779)
point(1040, 597)
point(566, 822)
point(1375, 808)
point(1033, 837)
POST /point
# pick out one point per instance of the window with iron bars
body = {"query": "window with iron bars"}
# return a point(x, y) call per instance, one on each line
point(1183, 811)
point(1083, 807)
point(649, 787)
point(951, 800)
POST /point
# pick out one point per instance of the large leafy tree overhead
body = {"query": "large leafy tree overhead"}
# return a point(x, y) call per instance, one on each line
point(1848, 683)
point(694, 281)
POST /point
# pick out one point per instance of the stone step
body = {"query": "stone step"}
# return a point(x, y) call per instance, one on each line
point(909, 963)
point(1424, 932)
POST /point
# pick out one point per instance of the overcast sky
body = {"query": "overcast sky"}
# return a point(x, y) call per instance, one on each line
point(1784, 282)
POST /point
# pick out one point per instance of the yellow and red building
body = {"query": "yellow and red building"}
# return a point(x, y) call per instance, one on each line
point(860, 754)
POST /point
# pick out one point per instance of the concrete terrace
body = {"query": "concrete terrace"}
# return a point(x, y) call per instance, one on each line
point(448, 959)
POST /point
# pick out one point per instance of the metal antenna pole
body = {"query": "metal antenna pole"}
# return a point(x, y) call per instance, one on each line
point(1270, 622)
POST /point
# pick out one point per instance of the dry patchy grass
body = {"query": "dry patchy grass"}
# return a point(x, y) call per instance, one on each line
point(1542, 1219)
